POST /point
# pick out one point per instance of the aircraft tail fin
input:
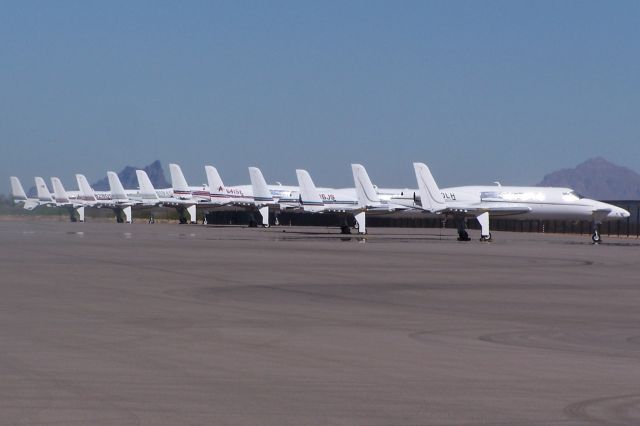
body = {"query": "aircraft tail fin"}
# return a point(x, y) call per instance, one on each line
point(309, 195)
point(261, 193)
point(86, 191)
point(430, 195)
point(115, 186)
point(43, 191)
point(58, 191)
point(17, 191)
point(213, 179)
point(147, 191)
point(178, 182)
point(365, 190)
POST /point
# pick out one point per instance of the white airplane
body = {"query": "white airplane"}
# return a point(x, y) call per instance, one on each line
point(515, 202)
point(19, 196)
point(117, 198)
point(70, 199)
point(148, 196)
point(364, 197)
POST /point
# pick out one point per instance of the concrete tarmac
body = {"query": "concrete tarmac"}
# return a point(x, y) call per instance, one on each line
point(107, 324)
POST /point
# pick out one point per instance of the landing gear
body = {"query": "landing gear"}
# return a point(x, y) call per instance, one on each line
point(595, 236)
point(485, 238)
point(345, 229)
point(463, 235)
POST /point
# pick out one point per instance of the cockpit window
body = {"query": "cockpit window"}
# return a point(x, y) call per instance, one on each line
point(571, 196)
point(577, 194)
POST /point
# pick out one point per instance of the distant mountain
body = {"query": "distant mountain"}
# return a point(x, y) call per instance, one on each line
point(130, 181)
point(598, 178)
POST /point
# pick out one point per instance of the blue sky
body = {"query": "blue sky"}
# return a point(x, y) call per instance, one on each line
point(479, 90)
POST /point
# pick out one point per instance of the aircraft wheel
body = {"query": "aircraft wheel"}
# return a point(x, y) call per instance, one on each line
point(463, 236)
point(345, 229)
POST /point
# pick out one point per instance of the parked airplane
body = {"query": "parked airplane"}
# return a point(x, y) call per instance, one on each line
point(116, 198)
point(516, 202)
point(19, 196)
point(148, 196)
point(364, 197)
point(69, 199)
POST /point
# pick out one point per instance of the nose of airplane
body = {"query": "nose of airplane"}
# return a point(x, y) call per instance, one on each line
point(619, 212)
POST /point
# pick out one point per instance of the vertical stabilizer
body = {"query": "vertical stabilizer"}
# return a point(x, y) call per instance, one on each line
point(261, 193)
point(17, 191)
point(430, 195)
point(86, 192)
point(147, 191)
point(213, 179)
point(309, 195)
point(116, 188)
point(43, 192)
point(366, 192)
point(179, 183)
point(58, 191)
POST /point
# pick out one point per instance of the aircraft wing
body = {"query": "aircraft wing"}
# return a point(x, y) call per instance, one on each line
point(495, 209)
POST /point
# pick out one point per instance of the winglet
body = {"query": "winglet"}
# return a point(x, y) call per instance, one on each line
point(58, 191)
point(147, 191)
point(430, 195)
point(309, 196)
point(86, 192)
point(261, 193)
point(116, 188)
point(43, 192)
point(365, 190)
point(17, 191)
point(179, 183)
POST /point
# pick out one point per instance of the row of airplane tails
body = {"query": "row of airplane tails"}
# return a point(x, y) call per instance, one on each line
point(459, 203)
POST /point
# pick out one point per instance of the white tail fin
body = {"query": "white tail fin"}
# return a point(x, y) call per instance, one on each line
point(179, 183)
point(309, 196)
point(116, 188)
point(147, 191)
point(261, 193)
point(86, 192)
point(43, 192)
point(430, 195)
point(17, 191)
point(365, 190)
point(213, 179)
point(58, 191)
